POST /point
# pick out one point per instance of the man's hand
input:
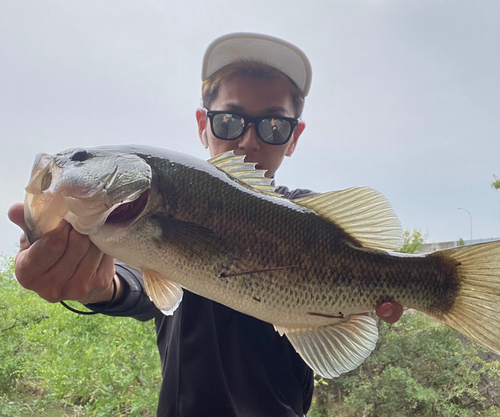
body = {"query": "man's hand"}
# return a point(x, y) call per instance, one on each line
point(63, 265)
point(389, 311)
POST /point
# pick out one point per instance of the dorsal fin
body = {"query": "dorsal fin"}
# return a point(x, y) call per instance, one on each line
point(363, 213)
point(244, 172)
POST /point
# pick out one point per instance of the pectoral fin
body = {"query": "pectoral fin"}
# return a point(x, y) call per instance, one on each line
point(335, 349)
point(165, 294)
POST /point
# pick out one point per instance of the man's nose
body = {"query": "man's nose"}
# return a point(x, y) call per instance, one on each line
point(250, 140)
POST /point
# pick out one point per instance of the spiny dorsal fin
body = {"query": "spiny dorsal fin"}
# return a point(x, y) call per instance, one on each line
point(244, 172)
point(363, 213)
point(337, 348)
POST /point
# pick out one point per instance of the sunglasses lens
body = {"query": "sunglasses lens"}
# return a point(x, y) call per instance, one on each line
point(272, 130)
point(227, 126)
point(275, 131)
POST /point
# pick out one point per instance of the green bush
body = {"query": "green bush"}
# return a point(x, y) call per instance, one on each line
point(99, 365)
point(419, 368)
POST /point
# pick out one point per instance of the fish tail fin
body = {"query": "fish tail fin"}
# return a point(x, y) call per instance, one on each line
point(476, 310)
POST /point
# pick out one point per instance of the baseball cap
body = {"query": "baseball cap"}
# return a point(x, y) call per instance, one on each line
point(272, 51)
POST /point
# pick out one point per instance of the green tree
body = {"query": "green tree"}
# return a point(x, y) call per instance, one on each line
point(413, 241)
point(496, 182)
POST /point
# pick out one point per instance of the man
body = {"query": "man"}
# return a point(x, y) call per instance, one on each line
point(215, 361)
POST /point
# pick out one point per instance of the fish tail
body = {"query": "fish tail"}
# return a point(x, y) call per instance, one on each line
point(476, 310)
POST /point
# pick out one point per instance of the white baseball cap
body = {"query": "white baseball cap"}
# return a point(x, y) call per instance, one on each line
point(272, 51)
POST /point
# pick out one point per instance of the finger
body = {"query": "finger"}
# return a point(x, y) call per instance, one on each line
point(24, 243)
point(34, 261)
point(88, 279)
point(57, 277)
point(99, 286)
point(16, 215)
point(106, 268)
point(389, 311)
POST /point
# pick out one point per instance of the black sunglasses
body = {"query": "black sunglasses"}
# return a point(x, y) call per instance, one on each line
point(273, 130)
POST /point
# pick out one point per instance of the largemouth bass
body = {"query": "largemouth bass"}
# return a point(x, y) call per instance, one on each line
point(307, 266)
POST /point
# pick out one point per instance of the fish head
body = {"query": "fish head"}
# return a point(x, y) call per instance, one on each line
point(86, 187)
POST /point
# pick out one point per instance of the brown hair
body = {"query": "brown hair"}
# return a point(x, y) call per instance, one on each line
point(252, 69)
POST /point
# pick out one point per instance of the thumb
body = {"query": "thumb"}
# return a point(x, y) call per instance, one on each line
point(16, 215)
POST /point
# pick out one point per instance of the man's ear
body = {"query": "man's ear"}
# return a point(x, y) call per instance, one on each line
point(295, 138)
point(201, 119)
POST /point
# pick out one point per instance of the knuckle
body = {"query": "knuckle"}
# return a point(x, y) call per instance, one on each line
point(24, 277)
point(78, 239)
point(24, 282)
point(80, 292)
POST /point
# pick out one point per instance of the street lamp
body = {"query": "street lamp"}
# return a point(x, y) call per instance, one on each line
point(470, 217)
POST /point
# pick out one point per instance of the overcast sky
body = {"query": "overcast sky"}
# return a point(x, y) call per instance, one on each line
point(404, 98)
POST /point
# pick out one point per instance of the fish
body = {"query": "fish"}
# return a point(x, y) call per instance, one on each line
point(312, 267)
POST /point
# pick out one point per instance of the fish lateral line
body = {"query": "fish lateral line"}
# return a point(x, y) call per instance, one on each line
point(256, 271)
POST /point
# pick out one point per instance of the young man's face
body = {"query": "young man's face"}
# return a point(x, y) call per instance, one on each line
point(253, 97)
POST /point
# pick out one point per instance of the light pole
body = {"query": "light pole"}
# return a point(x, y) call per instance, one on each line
point(470, 217)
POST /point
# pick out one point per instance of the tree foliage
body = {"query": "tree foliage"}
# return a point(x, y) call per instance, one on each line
point(496, 182)
point(413, 241)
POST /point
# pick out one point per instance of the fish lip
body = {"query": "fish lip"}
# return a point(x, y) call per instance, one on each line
point(128, 213)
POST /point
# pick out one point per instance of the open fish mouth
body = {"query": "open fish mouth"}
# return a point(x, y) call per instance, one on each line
point(85, 190)
point(128, 212)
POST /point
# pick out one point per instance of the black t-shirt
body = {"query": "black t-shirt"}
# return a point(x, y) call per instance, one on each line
point(217, 361)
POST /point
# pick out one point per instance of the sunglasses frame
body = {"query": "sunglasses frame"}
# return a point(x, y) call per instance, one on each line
point(255, 120)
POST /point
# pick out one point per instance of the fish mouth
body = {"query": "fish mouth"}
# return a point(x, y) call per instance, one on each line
point(128, 212)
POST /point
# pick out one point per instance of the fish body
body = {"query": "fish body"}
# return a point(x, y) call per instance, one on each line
point(217, 229)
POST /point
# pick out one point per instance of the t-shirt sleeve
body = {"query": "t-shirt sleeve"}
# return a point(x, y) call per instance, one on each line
point(293, 194)
point(135, 302)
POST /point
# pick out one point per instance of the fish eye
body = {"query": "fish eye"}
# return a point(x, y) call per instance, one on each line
point(80, 155)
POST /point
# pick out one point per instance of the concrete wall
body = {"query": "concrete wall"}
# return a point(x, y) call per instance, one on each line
point(431, 247)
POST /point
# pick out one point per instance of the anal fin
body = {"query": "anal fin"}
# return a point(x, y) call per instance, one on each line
point(165, 294)
point(335, 349)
